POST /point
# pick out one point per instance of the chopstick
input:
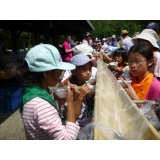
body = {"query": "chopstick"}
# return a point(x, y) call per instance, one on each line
point(78, 87)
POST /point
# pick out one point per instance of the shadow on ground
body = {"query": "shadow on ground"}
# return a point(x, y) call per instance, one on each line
point(5, 115)
point(11, 126)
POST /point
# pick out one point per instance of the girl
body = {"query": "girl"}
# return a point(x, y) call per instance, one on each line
point(39, 112)
point(79, 49)
point(120, 56)
point(144, 85)
point(149, 37)
point(80, 75)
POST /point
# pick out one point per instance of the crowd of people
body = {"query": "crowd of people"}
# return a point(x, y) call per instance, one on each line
point(137, 60)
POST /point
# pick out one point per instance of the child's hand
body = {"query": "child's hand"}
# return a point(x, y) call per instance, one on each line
point(121, 78)
point(84, 90)
point(115, 68)
point(130, 91)
point(76, 93)
point(70, 96)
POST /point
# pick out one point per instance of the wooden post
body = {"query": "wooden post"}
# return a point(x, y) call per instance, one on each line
point(35, 39)
point(47, 32)
point(54, 33)
point(13, 41)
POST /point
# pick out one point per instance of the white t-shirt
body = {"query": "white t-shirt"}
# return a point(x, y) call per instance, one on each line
point(67, 73)
point(127, 43)
point(155, 69)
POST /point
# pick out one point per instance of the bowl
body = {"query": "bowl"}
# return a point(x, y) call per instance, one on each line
point(113, 63)
point(122, 84)
point(91, 80)
point(60, 92)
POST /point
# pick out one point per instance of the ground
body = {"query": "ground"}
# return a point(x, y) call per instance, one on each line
point(11, 126)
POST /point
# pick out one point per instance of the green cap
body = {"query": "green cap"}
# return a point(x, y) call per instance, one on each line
point(45, 57)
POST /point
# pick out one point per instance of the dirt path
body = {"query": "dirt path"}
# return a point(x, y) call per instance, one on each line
point(11, 126)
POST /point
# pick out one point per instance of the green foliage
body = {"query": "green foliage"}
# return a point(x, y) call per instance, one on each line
point(103, 29)
point(106, 28)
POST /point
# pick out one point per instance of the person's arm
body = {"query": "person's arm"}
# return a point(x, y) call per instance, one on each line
point(131, 92)
point(70, 106)
point(106, 58)
point(46, 121)
point(66, 47)
point(83, 92)
point(69, 50)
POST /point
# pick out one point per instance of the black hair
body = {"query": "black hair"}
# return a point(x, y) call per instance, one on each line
point(143, 49)
point(125, 34)
point(27, 78)
point(121, 52)
point(68, 34)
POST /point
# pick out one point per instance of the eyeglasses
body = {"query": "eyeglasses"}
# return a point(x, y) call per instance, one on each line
point(137, 62)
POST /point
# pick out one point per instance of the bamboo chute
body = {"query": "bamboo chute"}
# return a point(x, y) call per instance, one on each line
point(115, 109)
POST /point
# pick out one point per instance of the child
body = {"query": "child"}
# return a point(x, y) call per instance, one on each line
point(39, 113)
point(149, 37)
point(120, 56)
point(80, 75)
point(80, 49)
point(108, 54)
point(144, 85)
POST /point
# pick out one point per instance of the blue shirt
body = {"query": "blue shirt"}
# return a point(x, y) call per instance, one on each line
point(114, 44)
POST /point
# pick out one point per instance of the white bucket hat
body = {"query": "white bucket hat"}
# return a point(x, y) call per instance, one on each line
point(83, 49)
point(149, 35)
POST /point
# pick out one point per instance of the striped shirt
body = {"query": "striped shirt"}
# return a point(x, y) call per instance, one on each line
point(41, 121)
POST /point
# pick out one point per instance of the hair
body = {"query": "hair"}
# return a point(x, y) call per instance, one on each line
point(68, 34)
point(143, 49)
point(27, 78)
point(125, 34)
point(123, 53)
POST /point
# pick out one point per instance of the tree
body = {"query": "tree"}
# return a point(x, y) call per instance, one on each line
point(106, 28)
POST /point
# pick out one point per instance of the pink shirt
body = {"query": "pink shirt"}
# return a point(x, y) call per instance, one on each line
point(66, 56)
point(41, 121)
point(154, 90)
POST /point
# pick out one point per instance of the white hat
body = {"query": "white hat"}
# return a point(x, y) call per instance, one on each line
point(81, 59)
point(105, 47)
point(113, 36)
point(83, 48)
point(149, 35)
